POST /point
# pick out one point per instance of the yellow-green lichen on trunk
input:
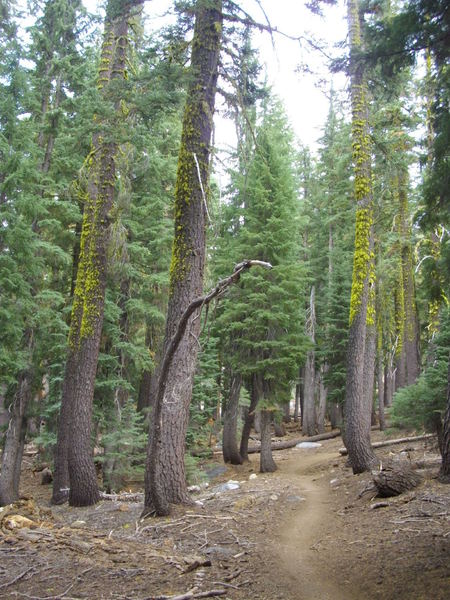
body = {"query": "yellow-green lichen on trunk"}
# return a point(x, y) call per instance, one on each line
point(363, 268)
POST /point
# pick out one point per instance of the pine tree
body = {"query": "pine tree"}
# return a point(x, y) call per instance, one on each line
point(165, 476)
point(73, 452)
point(361, 343)
point(263, 315)
point(34, 221)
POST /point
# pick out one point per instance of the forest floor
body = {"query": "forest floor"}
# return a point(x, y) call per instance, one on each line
point(304, 532)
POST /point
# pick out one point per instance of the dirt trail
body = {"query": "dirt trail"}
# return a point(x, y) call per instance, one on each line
point(310, 524)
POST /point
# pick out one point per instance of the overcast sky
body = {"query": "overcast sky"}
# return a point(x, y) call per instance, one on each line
point(304, 95)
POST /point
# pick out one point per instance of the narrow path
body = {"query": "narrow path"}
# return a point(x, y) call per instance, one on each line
point(300, 558)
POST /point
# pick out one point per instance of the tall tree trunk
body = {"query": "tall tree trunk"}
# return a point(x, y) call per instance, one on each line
point(381, 388)
point(309, 411)
point(14, 441)
point(267, 464)
point(298, 388)
point(75, 421)
point(249, 416)
point(444, 474)
point(357, 417)
point(165, 473)
point(322, 406)
point(230, 418)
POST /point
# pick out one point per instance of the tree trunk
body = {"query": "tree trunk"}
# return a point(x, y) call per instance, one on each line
point(388, 385)
point(357, 417)
point(14, 441)
point(298, 388)
point(279, 428)
point(309, 411)
point(230, 419)
point(335, 415)
point(322, 406)
point(444, 474)
point(369, 370)
point(267, 464)
point(287, 412)
point(75, 422)
point(249, 417)
point(381, 383)
point(165, 473)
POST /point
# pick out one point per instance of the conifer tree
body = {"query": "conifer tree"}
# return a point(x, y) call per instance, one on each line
point(165, 475)
point(73, 457)
point(360, 356)
point(263, 314)
point(33, 223)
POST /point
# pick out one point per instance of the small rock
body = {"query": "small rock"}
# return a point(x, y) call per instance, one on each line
point(306, 445)
point(219, 551)
point(78, 524)
point(273, 497)
point(229, 485)
point(194, 488)
point(253, 476)
point(295, 499)
point(334, 482)
point(199, 503)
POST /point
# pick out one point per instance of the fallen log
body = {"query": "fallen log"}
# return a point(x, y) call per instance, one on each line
point(393, 481)
point(291, 443)
point(405, 440)
point(278, 445)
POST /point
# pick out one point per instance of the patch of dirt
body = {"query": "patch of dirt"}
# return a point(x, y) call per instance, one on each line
point(311, 530)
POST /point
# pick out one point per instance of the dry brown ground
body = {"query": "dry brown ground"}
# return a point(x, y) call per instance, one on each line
point(301, 533)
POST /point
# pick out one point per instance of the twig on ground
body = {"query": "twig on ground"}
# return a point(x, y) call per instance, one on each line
point(56, 597)
point(8, 583)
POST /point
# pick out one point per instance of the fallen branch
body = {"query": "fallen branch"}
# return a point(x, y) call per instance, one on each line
point(427, 436)
point(8, 583)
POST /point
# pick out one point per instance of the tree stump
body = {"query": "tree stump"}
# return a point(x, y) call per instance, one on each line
point(394, 480)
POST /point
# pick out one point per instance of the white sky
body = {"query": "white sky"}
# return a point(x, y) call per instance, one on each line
point(305, 103)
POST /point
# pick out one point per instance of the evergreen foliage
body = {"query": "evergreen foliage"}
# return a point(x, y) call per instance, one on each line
point(418, 405)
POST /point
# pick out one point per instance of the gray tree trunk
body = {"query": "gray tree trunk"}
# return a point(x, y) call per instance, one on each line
point(230, 419)
point(322, 405)
point(267, 464)
point(309, 412)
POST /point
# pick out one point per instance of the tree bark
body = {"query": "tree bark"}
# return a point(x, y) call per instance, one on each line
point(357, 417)
point(444, 474)
point(165, 471)
point(309, 412)
point(14, 441)
point(267, 464)
point(249, 417)
point(229, 440)
point(75, 422)
point(322, 406)
point(381, 383)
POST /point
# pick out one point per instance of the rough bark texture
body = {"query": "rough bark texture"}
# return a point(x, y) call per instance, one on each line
point(267, 464)
point(230, 418)
point(393, 481)
point(357, 416)
point(322, 406)
point(249, 418)
point(14, 442)
point(380, 384)
point(75, 423)
point(309, 412)
point(165, 469)
point(444, 474)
